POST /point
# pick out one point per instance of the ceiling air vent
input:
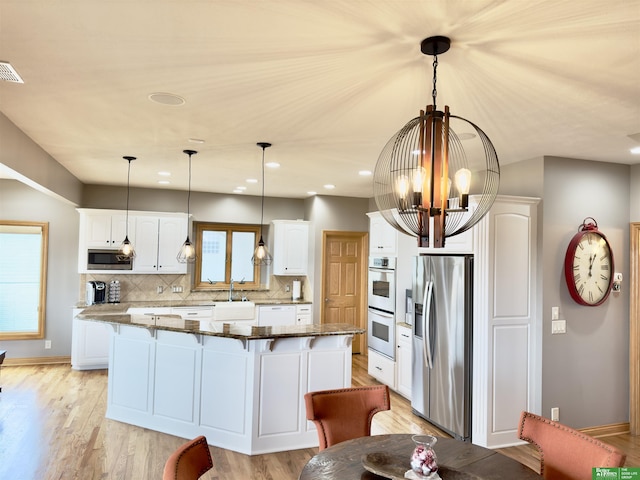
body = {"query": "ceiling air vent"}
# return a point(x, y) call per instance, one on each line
point(9, 74)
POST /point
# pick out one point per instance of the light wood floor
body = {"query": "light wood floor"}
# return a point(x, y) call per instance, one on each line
point(52, 426)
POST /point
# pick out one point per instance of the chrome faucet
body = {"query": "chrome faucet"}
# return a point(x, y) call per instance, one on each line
point(231, 291)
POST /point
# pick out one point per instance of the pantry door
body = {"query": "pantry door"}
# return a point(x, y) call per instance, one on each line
point(344, 281)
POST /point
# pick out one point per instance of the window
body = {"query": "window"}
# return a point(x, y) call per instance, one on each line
point(23, 273)
point(223, 253)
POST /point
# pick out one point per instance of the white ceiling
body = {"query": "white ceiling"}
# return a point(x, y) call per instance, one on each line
point(328, 82)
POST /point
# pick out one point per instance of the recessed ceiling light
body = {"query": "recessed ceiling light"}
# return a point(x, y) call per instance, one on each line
point(466, 136)
point(237, 190)
point(252, 180)
point(241, 188)
point(196, 140)
point(329, 186)
point(164, 174)
point(312, 193)
point(635, 150)
point(272, 164)
point(364, 173)
point(164, 182)
point(167, 99)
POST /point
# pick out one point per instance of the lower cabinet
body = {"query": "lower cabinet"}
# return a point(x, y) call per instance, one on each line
point(403, 360)
point(382, 369)
point(89, 344)
point(303, 314)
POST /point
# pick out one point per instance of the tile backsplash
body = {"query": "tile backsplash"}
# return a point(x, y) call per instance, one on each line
point(141, 288)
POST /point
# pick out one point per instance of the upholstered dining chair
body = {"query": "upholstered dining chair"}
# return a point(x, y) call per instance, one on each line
point(565, 453)
point(189, 462)
point(345, 413)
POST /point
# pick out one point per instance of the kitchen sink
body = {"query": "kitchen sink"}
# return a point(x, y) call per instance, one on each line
point(233, 311)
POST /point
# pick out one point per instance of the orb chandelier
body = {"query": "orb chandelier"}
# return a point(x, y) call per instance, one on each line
point(424, 176)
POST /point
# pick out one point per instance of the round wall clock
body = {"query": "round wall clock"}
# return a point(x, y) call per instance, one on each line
point(588, 265)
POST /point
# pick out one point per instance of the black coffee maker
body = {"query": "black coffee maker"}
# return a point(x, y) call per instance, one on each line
point(96, 292)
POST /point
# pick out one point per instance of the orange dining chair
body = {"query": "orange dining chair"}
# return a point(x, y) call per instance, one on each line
point(565, 453)
point(345, 413)
point(189, 462)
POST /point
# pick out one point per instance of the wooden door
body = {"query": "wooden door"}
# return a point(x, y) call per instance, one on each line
point(344, 277)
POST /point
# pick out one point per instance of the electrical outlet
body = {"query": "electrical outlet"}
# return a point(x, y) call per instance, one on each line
point(47, 344)
point(555, 414)
point(159, 289)
point(287, 288)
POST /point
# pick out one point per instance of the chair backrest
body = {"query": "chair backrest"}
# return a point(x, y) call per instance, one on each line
point(189, 462)
point(565, 453)
point(345, 413)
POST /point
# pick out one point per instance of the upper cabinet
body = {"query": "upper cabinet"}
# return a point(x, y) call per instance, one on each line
point(290, 247)
point(383, 238)
point(158, 240)
point(156, 237)
point(106, 230)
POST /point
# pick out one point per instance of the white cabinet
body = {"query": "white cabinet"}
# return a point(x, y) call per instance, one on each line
point(105, 230)
point(273, 315)
point(158, 240)
point(383, 238)
point(382, 368)
point(89, 344)
point(303, 314)
point(403, 360)
point(290, 247)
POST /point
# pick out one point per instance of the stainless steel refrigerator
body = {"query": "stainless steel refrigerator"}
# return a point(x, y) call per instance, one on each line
point(442, 341)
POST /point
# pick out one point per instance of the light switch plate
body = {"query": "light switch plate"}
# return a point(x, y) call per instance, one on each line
point(558, 326)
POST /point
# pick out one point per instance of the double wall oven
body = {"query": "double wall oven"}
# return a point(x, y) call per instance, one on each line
point(382, 305)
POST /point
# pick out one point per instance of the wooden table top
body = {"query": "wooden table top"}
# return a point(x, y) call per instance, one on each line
point(463, 460)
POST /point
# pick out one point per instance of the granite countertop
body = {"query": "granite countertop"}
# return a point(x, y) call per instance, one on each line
point(184, 303)
point(175, 323)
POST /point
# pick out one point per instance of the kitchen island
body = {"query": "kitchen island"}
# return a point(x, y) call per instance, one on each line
point(242, 386)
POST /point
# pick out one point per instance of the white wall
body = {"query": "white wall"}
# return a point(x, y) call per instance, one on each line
point(332, 213)
point(20, 202)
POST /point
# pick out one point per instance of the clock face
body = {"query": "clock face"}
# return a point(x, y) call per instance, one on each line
point(590, 262)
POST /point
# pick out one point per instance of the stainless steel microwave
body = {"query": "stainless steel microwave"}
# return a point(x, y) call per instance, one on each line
point(103, 259)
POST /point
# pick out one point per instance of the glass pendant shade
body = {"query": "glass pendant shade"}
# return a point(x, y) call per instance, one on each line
point(126, 250)
point(187, 253)
point(429, 169)
point(261, 255)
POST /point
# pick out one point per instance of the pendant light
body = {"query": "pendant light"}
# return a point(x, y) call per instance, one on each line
point(126, 250)
point(424, 175)
point(261, 255)
point(187, 253)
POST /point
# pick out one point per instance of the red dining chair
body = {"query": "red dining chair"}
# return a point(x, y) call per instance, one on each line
point(565, 453)
point(345, 413)
point(189, 462)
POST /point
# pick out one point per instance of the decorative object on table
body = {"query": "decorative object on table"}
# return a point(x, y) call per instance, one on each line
point(588, 265)
point(412, 182)
point(261, 255)
point(423, 459)
point(394, 467)
point(187, 253)
point(345, 413)
point(114, 291)
point(566, 453)
point(126, 250)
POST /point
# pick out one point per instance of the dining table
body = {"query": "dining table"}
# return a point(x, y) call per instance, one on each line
point(380, 457)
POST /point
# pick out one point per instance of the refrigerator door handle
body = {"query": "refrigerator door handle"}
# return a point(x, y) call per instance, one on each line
point(426, 324)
